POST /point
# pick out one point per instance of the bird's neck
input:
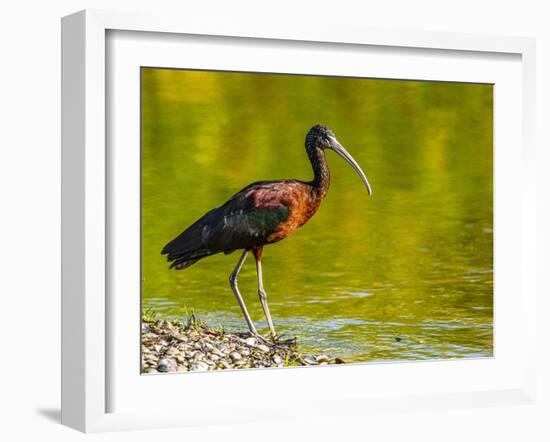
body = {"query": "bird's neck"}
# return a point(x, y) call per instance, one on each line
point(321, 174)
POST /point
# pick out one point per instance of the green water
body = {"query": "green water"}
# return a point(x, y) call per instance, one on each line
point(404, 274)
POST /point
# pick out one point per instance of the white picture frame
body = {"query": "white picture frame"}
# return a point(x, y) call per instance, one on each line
point(86, 207)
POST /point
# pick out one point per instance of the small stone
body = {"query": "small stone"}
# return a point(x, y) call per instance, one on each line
point(151, 370)
point(145, 328)
point(277, 359)
point(224, 364)
point(322, 358)
point(217, 352)
point(251, 342)
point(207, 346)
point(199, 366)
point(263, 347)
point(166, 365)
point(181, 338)
point(310, 361)
point(235, 356)
point(339, 361)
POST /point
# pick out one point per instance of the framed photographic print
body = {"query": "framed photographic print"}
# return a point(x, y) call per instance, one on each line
point(348, 288)
point(252, 212)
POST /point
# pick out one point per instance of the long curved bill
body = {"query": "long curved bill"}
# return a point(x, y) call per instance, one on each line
point(339, 149)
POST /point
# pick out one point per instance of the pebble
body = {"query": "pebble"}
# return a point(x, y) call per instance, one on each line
point(263, 347)
point(218, 353)
point(166, 365)
point(251, 342)
point(199, 366)
point(322, 358)
point(235, 356)
point(277, 359)
point(224, 365)
point(207, 346)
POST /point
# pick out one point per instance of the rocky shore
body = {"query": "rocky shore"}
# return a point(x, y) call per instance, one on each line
point(191, 345)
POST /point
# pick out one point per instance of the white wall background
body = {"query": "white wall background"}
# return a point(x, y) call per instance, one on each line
point(30, 219)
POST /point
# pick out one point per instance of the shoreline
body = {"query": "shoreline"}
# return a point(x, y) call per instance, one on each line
point(172, 346)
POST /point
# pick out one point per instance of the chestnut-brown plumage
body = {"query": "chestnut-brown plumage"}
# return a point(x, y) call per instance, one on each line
point(262, 213)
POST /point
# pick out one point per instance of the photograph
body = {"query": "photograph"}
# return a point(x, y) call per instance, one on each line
point(308, 220)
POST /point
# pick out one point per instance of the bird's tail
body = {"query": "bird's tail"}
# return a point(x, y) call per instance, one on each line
point(186, 249)
point(183, 261)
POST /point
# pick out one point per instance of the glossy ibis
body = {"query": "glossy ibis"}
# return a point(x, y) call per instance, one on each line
point(262, 213)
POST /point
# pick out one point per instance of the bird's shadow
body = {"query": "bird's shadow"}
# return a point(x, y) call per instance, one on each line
point(51, 414)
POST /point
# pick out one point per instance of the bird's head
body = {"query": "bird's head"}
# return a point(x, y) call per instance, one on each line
point(322, 137)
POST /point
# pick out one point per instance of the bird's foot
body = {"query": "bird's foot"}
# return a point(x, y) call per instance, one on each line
point(262, 339)
point(284, 340)
point(274, 340)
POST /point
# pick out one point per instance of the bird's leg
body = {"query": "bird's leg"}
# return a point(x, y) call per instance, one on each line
point(258, 252)
point(235, 288)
